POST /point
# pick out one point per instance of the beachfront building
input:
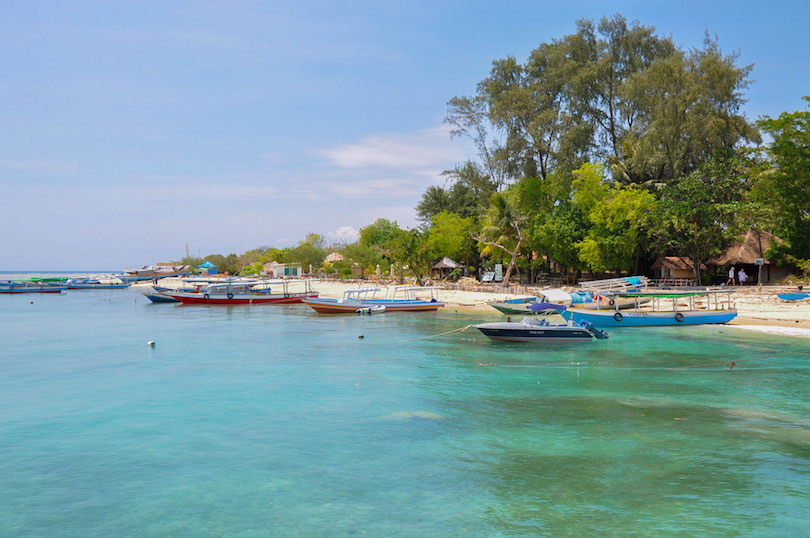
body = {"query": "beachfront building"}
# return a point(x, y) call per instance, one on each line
point(444, 267)
point(749, 254)
point(207, 268)
point(282, 270)
point(674, 271)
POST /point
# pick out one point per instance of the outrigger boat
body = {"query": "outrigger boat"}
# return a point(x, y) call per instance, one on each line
point(667, 308)
point(110, 282)
point(151, 272)
point(241, 292)
point(595, 294)
point(33, 285)
point(526, 305)
point(395, 299)
point(533, 329)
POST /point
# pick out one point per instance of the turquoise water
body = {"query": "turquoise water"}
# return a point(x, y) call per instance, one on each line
point(276, 421)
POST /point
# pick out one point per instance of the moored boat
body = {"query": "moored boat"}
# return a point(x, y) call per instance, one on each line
point(151, 272)
point(33, 285)
point(247, 292)
point(395, 299)
point(661, 309)
point(534, 329)
point(109, 282)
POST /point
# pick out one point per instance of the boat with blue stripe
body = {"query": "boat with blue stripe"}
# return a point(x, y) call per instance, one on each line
point(661, 309)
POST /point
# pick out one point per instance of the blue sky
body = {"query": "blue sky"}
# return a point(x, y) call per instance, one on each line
point(129, 130)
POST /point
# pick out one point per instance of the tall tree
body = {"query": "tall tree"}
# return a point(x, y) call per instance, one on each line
point(787, 184)
point(615, 214)
point(699, 214)
point(690, 110)
point(504, 228)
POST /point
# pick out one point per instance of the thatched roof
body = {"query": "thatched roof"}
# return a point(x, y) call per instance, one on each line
point(335, 257)
point(675, 262)
point(447, 263)
point(754, 245)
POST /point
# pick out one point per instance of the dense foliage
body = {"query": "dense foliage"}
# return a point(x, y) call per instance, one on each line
point(605, 149)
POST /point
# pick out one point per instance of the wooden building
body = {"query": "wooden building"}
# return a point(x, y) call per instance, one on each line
point(749, 254)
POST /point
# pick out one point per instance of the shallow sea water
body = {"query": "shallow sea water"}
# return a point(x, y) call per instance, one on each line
point(276, 421)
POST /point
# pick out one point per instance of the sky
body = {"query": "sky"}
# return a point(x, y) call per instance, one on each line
point(132, 132)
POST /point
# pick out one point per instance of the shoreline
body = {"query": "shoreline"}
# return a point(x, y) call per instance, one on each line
point(757, 310)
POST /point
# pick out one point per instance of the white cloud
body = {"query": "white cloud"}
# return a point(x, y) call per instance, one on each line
point(344, 234)
point(429, 148)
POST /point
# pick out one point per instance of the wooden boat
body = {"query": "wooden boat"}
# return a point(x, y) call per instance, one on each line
point(157, 293)
point(110, 282)
point(539, 330)
point(579, 299)
point(33, 285)
point(151, 272)
point(527, 305)
point(668, 308)
point(247, 292)
point(395, 299)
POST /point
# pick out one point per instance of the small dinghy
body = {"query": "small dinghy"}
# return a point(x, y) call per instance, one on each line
point(371, 309)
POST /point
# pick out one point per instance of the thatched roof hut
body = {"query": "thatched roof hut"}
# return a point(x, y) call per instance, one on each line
point(676, 263)
point(746, 253)
point(445, 266)
point(754, 245)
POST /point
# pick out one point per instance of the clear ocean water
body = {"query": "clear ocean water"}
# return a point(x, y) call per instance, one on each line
point(276, 421)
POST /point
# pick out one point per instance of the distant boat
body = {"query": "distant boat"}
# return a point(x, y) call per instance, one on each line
point(150, 272)
point(157, 293)
point(109, 282)
point(247, 292)
point(668, 308)
point(33, 285)
point(395, 299)
point(538, 330)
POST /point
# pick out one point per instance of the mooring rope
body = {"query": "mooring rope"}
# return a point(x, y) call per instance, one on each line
point(440, 334)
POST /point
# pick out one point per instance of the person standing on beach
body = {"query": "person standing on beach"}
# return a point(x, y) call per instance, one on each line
point(730, 276)
point(743, 277)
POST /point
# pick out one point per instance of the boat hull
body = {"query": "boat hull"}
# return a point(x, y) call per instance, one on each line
point(238, 299)
point(332, 306)
point(516, 332)
point(793, 296)
point(32, 288)
point(76, 286)
point(613, 318)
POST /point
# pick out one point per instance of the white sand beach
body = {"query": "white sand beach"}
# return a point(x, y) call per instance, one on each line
point(759, 309)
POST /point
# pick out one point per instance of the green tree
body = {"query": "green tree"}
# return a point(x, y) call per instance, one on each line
point(615, 214)
point(504, 229)
point(451, 236)
point(690, 109)
point(309, 252)
point(786, 185)
point(699, 214)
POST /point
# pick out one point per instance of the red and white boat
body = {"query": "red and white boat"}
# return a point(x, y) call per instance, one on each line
point(239, 292)
point(368, 300)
